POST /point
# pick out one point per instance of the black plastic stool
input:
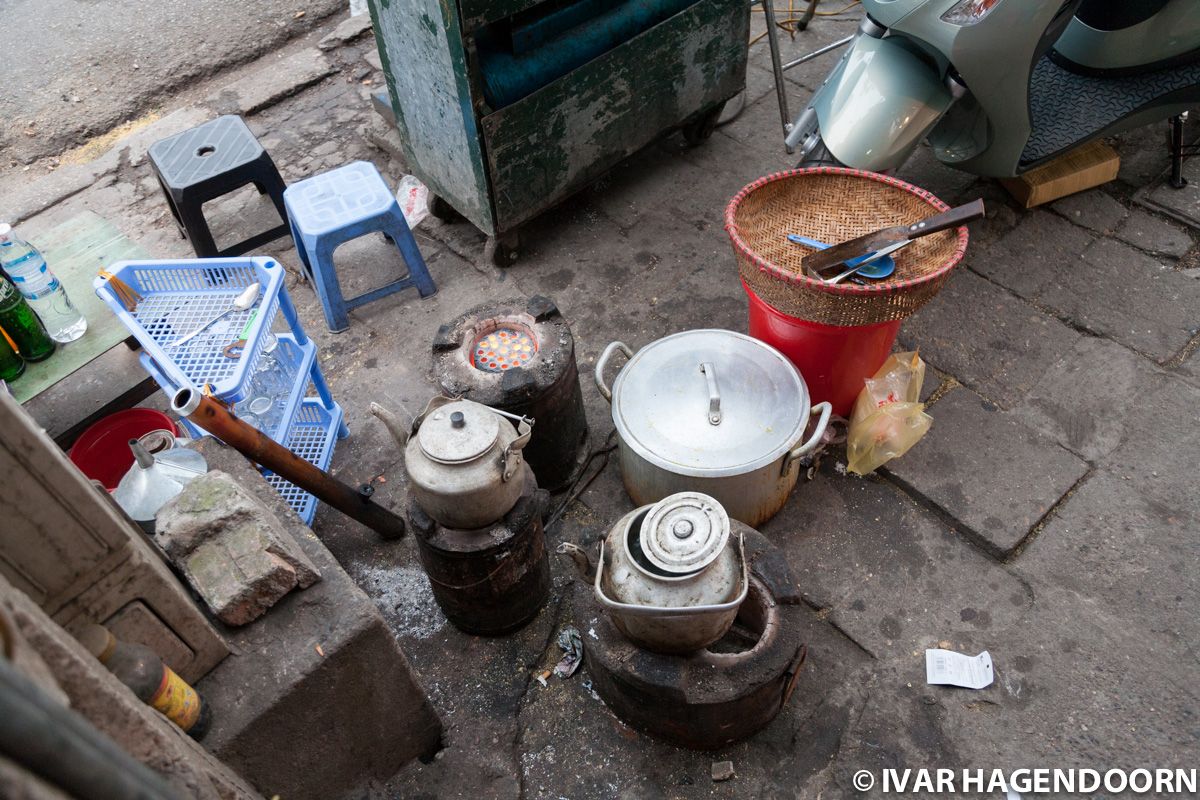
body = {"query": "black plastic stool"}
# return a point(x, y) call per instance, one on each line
point(210, 161)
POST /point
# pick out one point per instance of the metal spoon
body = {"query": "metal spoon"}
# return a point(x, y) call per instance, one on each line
point(240, 303)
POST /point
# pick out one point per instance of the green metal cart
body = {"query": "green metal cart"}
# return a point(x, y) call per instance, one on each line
point(500, 167)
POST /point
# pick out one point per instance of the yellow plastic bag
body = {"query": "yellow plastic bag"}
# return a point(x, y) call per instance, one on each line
point(888, 417)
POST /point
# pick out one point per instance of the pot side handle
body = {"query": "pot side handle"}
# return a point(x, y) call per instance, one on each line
point(826, 409)
point(602, 362)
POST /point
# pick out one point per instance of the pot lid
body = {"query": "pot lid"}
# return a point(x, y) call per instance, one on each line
point(684, 533)
point(458, 432)
point(710, 403)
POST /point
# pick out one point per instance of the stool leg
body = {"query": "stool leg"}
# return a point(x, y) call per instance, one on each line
point(302, 252)
point(197, 230)
point(171, 205)
point(400, 233)
point(271, 182)
point(328, 289)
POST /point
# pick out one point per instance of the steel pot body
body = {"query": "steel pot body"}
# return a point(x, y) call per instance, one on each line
point(714, 412)
point(463, 461)
point(662, 613)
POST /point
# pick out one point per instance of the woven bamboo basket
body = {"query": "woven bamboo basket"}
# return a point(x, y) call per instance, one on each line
point(833, 204)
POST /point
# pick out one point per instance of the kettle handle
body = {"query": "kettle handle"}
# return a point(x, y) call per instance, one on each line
point(636, 610)
point(512, 451)
point(826, 409)
point(602, 362)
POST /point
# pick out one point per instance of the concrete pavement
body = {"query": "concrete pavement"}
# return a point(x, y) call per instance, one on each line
point(1049, 517)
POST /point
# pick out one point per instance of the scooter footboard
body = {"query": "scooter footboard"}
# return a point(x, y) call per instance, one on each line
point(878, 104)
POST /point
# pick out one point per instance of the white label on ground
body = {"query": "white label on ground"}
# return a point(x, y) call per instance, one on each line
point(956, 669)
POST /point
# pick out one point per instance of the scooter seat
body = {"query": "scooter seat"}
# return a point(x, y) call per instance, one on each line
point(1067, 109)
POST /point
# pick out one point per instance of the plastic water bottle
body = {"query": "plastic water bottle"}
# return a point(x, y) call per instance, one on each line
point(37, 284)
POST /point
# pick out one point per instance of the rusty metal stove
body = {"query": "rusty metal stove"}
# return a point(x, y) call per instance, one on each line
point(493, 580)
point(717, 696)
point(519, 356)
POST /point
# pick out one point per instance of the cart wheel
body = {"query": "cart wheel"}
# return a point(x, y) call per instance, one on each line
point(502, 251)
point(443, 210)
point(698, 132)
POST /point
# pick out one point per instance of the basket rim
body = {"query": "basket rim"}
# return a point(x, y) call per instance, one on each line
point(884, 287)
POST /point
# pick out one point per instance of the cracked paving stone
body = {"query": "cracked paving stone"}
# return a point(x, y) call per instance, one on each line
point(889, 572)
point(986, 338)
point(1094, 209)
point(1086, 400)
point(1149, 232)
point(986, 470)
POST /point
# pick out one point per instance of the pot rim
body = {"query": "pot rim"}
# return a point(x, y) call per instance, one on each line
point(770, 457)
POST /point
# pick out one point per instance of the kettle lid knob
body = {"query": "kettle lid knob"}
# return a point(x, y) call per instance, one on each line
point(457, 420)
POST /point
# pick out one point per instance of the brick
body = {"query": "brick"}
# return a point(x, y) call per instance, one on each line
point(1085, 401)
point(991, 474)
point(233, 551)
point(1155, 234)
point(1093, 209)
point(986, 338)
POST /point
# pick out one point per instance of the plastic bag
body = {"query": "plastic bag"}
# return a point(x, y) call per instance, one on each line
point(413, 197)
point(888, 417)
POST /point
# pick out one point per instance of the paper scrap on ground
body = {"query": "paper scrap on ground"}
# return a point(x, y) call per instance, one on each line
point(572, 646)
point(413, 197)
point(956, 669)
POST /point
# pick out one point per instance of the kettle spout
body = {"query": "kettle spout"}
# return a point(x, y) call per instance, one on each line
point(583, 562)
point(396, 428)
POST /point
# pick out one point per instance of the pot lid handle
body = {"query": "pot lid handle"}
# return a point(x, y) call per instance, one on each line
point(714, 393)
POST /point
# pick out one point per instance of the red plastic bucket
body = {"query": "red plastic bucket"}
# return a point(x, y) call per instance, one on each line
point(102, 451)
point(833, 360)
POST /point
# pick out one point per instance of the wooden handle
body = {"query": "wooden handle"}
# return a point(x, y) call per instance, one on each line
point(947, 219)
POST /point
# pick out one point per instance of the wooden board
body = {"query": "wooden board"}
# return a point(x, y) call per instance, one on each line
point(1083, 168)
point(75, 251)
point(554, 142)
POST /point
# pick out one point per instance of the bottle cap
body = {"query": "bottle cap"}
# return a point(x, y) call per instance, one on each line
point(98, 641)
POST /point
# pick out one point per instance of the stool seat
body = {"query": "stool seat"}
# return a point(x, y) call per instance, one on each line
point(210, 161)
point(332, 208)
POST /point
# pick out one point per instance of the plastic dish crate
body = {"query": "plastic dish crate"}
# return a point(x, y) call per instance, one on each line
point(314, 433)
point(179, 296)
point(303, 358)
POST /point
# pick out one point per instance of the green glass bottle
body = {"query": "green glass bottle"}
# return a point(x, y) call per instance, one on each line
point(11, 364)
point(22, 324)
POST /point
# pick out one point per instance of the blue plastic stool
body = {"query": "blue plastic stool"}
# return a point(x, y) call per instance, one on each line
point(334, 207)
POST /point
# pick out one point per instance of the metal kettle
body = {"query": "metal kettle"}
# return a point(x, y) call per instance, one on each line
point(463, 460)
point(672, 574)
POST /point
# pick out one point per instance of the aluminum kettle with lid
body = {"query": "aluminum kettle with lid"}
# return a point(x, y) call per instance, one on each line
point(673, 574)
point(712, 411)
point(463, 460)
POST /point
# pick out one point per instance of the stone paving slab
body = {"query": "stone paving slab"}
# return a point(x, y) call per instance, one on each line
point(1086, 401)
point(1094, 209)
point(1154, 234)
point(1033, 253)
point(987, 471)
point(990, 340)
point(1134, 298)
point(251, 93)
point(1182, 204)
point(889, 573)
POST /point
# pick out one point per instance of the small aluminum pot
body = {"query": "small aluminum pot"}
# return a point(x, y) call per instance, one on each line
point(711, 411)
point(685, 598)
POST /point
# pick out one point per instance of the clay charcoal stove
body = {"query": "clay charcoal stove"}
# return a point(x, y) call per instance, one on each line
point(721, 694)
point(519, 356)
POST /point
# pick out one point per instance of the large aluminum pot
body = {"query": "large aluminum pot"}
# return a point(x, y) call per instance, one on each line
point(673, 575)
point(711, 411)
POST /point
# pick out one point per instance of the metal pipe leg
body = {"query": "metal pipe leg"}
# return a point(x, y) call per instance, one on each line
point(1177, 179)
point(785, 117)
point(809, 13)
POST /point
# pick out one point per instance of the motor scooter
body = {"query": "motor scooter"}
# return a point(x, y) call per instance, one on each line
point(1001, 86)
